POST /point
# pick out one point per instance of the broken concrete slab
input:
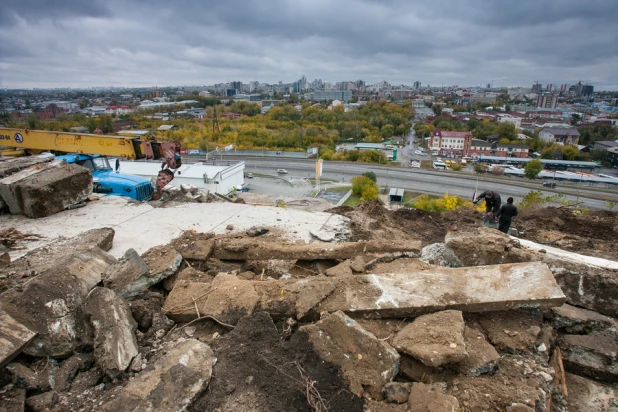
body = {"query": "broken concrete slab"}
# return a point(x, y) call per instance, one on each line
point(431, 398)
point(366, 362)
point(10, 165)
point(121, 276)
point(399, 295)
point(576, 320)
point(250, 249)
point(38, 260)
point(51, 303)
point(587, 286)
point(14, 337)
point(28, 379)
point(587, 395)
point(485, 246)
point(46, 189)
point(484, 288)
point(511, 331)
point(132, 274)
point(481, 356)
point(434, 339)
point(232, 297)
point(591, 355)
point(170, 383)
point(323, 236)
point(358, 264)
point(115, 343)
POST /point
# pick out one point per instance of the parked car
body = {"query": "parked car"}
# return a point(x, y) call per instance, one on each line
point(282, 171)
point(419, 153)
point(415, 163)
point(549, 184)
point(249, 175)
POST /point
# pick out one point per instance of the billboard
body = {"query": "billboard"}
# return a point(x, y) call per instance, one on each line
point(318, 169)
point(194, 151)
point(312, 152)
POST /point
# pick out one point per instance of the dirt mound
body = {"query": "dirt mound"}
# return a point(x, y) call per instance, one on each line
point(254, 364)
point(593, 233)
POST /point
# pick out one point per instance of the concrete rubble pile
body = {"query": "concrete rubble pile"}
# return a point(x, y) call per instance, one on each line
point(40, 187)
point(247, 321)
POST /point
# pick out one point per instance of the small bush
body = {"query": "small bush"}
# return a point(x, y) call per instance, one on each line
point(365, 188)
point(442, 204)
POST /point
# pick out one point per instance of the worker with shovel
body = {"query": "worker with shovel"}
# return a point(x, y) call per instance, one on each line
point(492, 204)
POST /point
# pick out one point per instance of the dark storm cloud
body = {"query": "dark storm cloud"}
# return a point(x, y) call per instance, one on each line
point(146, 42)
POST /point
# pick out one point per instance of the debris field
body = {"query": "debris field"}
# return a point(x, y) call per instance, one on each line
point(410, 311)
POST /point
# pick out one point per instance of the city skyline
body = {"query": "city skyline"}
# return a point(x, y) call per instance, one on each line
point(142, 44)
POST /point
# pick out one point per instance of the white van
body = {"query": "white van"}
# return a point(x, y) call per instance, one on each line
point(439, 165)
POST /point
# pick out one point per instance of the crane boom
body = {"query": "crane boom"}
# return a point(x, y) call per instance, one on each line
point(83, 143)
point(94, 144)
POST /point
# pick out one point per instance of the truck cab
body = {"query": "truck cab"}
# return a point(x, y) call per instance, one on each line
point(109, 181)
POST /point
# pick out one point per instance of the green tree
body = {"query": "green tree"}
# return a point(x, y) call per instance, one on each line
point(533, 168)
point(365, 188)
point(370, 175)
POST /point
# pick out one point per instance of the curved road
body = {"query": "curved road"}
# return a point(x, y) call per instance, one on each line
point(435, 182)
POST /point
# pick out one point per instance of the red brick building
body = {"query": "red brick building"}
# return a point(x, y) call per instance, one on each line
point(454, 144)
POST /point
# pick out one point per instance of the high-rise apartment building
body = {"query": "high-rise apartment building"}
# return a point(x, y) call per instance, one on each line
point(547, 101)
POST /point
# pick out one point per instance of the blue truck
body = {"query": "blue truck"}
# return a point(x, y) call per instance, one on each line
point(109, 181)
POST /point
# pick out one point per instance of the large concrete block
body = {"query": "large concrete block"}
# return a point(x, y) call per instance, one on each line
point(10, 165)
point(51, 304)
point(474, 289)
point(366, 362)
point(115, 344)
point(170, 383)
point(46, 189)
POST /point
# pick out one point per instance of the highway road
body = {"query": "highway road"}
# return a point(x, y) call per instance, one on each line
point(434, 182)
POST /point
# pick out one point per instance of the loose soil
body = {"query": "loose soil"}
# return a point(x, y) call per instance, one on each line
point(257, 371)
point(592, 234)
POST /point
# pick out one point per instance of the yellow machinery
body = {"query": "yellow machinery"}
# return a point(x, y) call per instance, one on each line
point(34, 141)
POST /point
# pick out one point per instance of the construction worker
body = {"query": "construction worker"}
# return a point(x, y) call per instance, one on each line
point(492, 202)
point(505, 214)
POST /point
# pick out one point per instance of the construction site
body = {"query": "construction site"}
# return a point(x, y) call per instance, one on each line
point(201, 303)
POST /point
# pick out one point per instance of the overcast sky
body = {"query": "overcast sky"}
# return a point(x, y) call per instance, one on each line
point(83, 43)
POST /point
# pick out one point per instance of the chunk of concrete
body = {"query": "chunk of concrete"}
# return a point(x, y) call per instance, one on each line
point(587, 395)
point(51, 304)
point(485, 246)
point(431, 398)
point(46, 189)
point(592, 355)
point(413, 369)
point(512, 331)
point(115, 344)
point(250, 249)
point(14, 337)
point(396, 392)
point(38, 260)
point(366, 362)
point(170, 383)
point(485, 288)
point(256, 231)
point(121, 276)
point(322, 235)
point(358, 264)
point(580, 321)
point(342, 269)
point(232, 297)
point(438, 254)
point(132, 274)
point(587, 286)
point(10, 165)
point(434, 339)
point(481, 356)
